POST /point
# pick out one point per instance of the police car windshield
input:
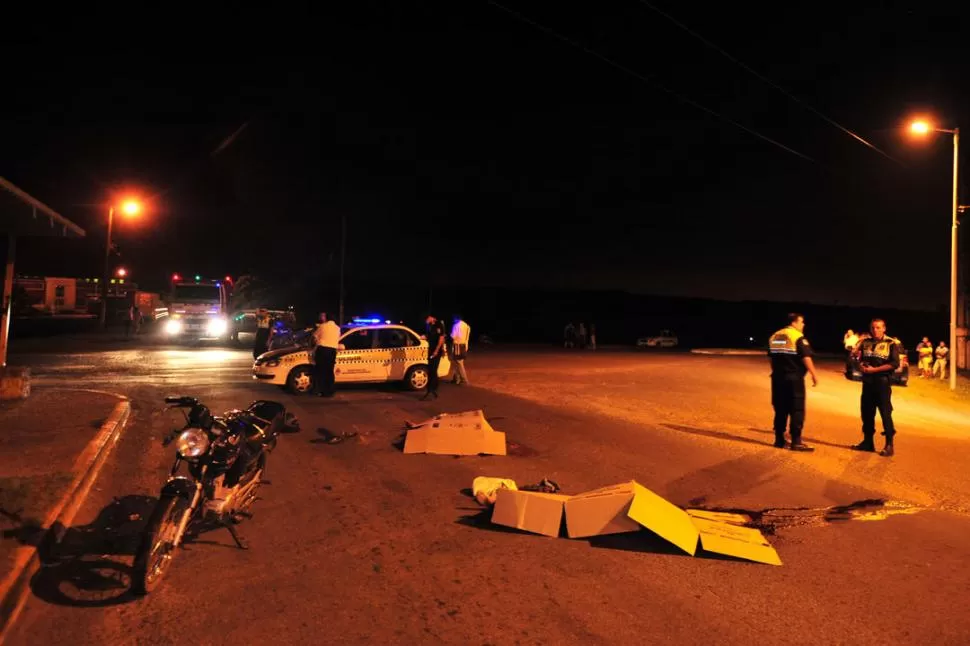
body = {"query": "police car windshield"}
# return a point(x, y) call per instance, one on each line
point(195, 293)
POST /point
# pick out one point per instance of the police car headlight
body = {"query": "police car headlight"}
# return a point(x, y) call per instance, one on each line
point(192, 443)
point(271, 363)
point(173, 326)
point(217, 327)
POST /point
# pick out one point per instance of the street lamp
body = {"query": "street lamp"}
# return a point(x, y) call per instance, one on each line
point(129, 208)
point(921, 127)
point(121, 272)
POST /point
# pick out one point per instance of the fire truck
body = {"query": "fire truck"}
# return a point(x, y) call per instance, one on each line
point(198, 309)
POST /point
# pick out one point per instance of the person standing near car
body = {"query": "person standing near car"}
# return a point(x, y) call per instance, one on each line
point(925, 353)
point(942, 354)
point(436, 348)
point(879, 357)
point(461, 334)
point(263, 323)
point(791, 360)
point(325, 338)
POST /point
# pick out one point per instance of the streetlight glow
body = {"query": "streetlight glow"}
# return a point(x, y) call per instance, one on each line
point(919, 127)
point(131, 207)
point(121, 272)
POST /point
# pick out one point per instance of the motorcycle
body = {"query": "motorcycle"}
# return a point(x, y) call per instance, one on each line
point(226, 460)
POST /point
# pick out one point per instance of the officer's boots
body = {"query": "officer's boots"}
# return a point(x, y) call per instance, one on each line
point(888, 451)
point(867, 444)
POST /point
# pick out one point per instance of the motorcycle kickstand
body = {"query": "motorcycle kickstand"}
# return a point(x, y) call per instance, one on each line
point(235, 536)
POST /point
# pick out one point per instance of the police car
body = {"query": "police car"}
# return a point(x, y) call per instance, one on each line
point(366, 354)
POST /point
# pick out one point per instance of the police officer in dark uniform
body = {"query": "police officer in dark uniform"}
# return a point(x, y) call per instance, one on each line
point(436, 349)
point(879, 359)
point(791, 359)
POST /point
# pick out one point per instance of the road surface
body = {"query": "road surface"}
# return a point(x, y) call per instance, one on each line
point(356, 542)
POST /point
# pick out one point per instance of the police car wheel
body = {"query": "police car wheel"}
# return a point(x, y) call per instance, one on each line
point(416, 378)
point(300, 381)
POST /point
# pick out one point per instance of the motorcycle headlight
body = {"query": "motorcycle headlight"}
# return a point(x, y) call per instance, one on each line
point(217, 327)
point(192, 443)
point(173, 326)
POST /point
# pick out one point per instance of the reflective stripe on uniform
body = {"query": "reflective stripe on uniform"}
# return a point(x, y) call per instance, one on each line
point(784, 341)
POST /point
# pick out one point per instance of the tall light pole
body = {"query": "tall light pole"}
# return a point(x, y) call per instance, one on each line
point(130, 208)
point(343, 254)
point(921, 128)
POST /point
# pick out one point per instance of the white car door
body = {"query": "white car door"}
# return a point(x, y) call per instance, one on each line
point(399, 345)
point(360, 359)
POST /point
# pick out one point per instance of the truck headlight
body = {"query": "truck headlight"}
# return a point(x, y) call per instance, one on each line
point(217, 327)
point(192, 443)
point(173, 326)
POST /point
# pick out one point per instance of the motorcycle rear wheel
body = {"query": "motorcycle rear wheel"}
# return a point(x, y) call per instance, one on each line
point(157, 547)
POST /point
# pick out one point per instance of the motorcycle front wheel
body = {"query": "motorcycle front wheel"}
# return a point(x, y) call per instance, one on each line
point(157, 547)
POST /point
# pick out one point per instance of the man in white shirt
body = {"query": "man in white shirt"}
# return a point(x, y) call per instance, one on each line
point(324, 354)
point(460, 336)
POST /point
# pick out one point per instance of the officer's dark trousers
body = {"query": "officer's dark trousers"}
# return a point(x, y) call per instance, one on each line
point(433, 364)
point(877, 395)
point(324, 359)
point(261, 342)
point(788, 400)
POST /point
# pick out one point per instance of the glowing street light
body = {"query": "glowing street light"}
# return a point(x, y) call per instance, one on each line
point(922, 127)
point(130, 208)
point(919, 127)
point(121, 272)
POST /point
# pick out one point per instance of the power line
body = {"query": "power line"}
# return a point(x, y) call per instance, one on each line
point(769, 82)
point(648, 80)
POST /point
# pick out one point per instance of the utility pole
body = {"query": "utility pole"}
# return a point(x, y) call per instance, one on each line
point(343, 255)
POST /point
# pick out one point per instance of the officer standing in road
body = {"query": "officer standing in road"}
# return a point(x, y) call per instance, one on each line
point(436, 348)
point(261, 343)
point(326, 337)
point(879, 357)
point(791, 359)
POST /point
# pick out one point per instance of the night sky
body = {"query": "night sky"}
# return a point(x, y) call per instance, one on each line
point(468, 147)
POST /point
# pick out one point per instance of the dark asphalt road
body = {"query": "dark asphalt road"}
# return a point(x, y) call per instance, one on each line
point(358, 543)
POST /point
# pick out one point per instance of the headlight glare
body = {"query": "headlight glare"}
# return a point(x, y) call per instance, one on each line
point(173, 326)
point(217, 327)
point(192, 443)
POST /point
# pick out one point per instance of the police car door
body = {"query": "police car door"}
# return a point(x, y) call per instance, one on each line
point(396, 342)
point(360, 359)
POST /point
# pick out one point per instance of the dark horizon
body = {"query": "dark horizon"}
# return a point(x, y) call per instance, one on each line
point(464, 145)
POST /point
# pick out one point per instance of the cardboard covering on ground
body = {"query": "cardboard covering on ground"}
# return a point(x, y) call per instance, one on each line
point(732, 540)
point(625, 508)
point(467, 433)
point(532, 511)
point(720, 516)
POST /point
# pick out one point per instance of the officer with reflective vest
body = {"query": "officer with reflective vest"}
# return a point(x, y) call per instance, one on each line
point(791, 359)
point(879, 359)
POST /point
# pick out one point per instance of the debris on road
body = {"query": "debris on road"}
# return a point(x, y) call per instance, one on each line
point(466, 433)
point(532, 511)
point(546, 486)
point(485, 488)
point(631, 507)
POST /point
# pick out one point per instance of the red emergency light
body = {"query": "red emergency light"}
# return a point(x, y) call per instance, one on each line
point(228, 279)
point(176, 278)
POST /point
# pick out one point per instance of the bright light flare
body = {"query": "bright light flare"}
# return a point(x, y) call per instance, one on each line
point(131, 208)
point(920, 127)
point(121, 272)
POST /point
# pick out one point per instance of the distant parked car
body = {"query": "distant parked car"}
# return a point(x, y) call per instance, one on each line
point(666, 339)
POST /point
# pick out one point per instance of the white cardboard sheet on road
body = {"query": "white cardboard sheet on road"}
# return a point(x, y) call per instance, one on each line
point(727, 536)
point(532, 511)
point(467, 433)
point(631, 507)
point(625, 508)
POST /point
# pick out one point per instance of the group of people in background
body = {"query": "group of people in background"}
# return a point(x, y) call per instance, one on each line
point(932, 361)
point(577, 336)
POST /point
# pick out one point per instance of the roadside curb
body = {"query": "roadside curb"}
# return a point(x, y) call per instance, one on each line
point(15, 587)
